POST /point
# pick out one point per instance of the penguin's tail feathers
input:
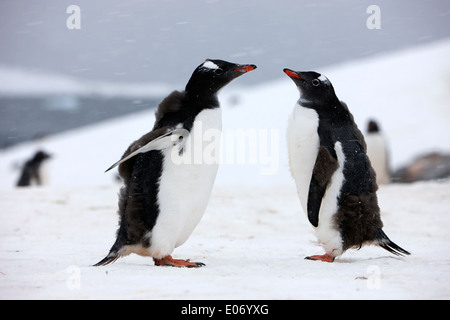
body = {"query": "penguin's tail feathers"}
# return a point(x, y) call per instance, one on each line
point(383, 241)
point(110, 258)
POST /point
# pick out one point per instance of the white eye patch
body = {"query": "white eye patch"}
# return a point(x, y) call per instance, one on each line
point(210, 65)
point(322, 78)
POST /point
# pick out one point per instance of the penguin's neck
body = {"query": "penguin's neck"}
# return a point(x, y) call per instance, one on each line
point(332, 111)
point(199, 100)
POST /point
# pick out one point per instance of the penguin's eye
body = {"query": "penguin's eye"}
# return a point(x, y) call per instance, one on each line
point(315, 82)
point(218, 71)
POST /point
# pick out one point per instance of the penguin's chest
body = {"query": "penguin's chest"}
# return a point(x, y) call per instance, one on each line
point(186, 181)
point(303, 145)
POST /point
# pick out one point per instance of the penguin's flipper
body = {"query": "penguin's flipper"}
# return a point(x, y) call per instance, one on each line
point(326, 165)
point(166, 140)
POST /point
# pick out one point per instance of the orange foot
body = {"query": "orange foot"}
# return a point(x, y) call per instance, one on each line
point(169, 261)
point(324, 257)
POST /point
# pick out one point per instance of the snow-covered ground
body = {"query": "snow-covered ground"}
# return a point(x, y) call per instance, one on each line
point(253, 241)
point(253, 237)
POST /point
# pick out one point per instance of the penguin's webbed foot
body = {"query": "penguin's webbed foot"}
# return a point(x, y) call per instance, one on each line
point(324, 257)
point(169, 261)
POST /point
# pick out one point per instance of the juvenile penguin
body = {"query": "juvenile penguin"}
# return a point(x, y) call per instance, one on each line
point(167, 182)
point(377, 152)
point(32, 170)
point(335, 181)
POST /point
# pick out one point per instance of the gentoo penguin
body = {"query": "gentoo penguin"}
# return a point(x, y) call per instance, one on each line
point(167, 183)
point(377, 152)
point(31, 171)
point(335, 181)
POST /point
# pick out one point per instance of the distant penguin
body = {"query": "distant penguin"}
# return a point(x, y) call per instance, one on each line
point(377, 151)
point(31, 173)
point(335, 181)
point(167, 184)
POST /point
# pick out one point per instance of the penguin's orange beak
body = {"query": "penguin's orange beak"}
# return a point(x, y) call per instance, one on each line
point(291, 73)
point(246, 68)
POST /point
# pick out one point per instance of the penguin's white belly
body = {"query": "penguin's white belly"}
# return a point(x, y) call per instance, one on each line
point(377, 153)
point(186, 183)
point(303, 147)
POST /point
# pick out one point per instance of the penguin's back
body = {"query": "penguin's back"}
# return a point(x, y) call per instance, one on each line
point(358, 215)
point(138, 204)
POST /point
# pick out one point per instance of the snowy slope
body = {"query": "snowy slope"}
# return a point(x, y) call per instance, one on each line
point(407, 92)
point(253, 237)
point(18, 82)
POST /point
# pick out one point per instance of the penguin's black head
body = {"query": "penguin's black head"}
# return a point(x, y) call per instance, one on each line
point(213, 75)
point(315, 89)
point(41, 156)
point(373, 127)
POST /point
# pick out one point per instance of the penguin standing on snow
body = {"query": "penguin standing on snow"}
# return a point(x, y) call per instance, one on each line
point(335, 181)
point(32, 170)
point(167, 183)
point(378, 153)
